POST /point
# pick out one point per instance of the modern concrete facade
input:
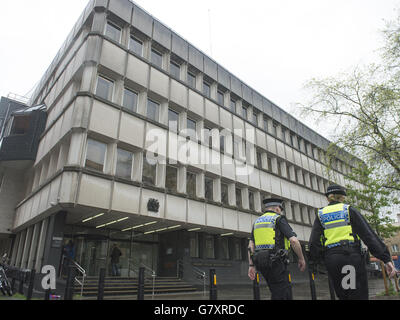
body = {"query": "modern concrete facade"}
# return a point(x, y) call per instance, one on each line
point(124, 87)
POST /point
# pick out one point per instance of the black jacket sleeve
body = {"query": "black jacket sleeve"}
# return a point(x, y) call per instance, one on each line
point(368, 236)
point(315, 245)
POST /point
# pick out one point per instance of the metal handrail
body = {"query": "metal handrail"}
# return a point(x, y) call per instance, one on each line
point(179, 267)
point(147, 268)
point(83, 272)
point(202, 274)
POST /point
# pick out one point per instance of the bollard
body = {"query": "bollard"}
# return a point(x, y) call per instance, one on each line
point(213, 285)
point(141, 284)
point(21, 282)
point(69, 289)
point(331, 288)
point(290, 292)
point(47, 294)
point(32, 275)
point(256, 287)
point(100, 294)
point(311, 276)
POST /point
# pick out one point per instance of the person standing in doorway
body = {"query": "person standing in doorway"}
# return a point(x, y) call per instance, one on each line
point(115, 255)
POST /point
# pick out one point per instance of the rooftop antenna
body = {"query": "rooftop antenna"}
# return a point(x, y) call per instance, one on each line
point(209, 22)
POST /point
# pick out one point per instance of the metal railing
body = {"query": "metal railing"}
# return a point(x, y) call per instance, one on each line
point(150, 272)
point(200, 275)
point(79, 268)
point(179, 268)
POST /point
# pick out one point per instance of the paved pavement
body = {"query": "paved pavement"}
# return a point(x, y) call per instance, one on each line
point(301, 291)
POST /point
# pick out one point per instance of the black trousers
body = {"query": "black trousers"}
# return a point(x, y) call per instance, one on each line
point(343, 265)
point(275, 274)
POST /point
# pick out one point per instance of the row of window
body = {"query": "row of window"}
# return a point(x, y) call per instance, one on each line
point(136, 45)
point(125, 166)
point(130, 101)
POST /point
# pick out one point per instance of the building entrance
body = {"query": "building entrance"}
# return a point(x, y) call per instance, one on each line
point(120, 253)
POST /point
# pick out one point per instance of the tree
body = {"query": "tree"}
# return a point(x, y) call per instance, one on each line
point(365, 106)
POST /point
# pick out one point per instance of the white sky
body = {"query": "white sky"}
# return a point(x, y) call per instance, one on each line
point(274, 46)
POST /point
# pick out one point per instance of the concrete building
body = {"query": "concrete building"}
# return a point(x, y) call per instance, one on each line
point(125, 89)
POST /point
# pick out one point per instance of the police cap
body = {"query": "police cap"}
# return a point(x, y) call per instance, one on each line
point(335, 189)
point(273, 202)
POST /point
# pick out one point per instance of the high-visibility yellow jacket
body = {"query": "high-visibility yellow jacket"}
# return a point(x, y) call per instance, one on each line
point(335, 220)
point(265, 234)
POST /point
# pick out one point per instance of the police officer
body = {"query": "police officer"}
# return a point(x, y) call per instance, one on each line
point(270, 240)
point(335, 238)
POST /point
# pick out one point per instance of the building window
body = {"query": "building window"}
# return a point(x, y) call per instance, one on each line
point(283, 134)
point(130, 100)
point(265, 123)
point(269, 160)
point(191, 184)
point(244, 112)
point(237, 250)
point(95, 155)
point(395, 248)
point(220, 97)
point(222, 144)
point(208, 188)
point(171, 180)
point(238, 193)
point(104, 88)
point(20, 125)
point(156, 58)
point(224, 194)
point(194, 245)
point(175, 69)
point(191, 129)
point(233, 106)
point(191, 79)
point(149, 171)
point(124, 164)
point(255, 117)
point(259, 159)
point(206, 89)
point(275, 129)
point(153, 110)
point(136, 46)
point(207, 137)
point(209, 247)
point(113, 32)
point(224, 248)
point(173, 120)
point(292, 139)
point(251, 201)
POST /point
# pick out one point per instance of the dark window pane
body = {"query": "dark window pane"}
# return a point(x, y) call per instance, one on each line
point(156, 58)
point(113, 32)
point(149, 171)
point(191, 129)
point(124, 164)
point(238, 197)
point(173, 119)
point(136, 46)
point(104, 88)
point(95, 155)
point(265, 123)
point(175, 70)
point(209, 188)
point(244, 112)
point(233, 106)
point(153, 109)
point(20, 125)
point(171, 180)
point(191, 184)
point(191, 80)
point(259, 160)
point(255, 122)
point(220, 98)
point(206, 89)
point(224, 193)
point(222, 143)
point(251, 200)
point(130, 100)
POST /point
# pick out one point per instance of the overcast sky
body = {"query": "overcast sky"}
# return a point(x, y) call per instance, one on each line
point(272, 45)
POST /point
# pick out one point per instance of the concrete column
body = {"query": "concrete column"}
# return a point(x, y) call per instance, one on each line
point(288, 210)
point(232, 194)
point(15, 249)
point(257, 201)
point(27, 247)
point(297, 212)
point(54, 239)
point(34, 245)
point(75, 149)
point(41, 244)
point(217, 190)
point(21, 248)
point(306, 218)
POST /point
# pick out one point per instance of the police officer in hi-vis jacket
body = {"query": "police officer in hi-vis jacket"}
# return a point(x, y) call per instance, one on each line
point(270, 240)
point(335, 238)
